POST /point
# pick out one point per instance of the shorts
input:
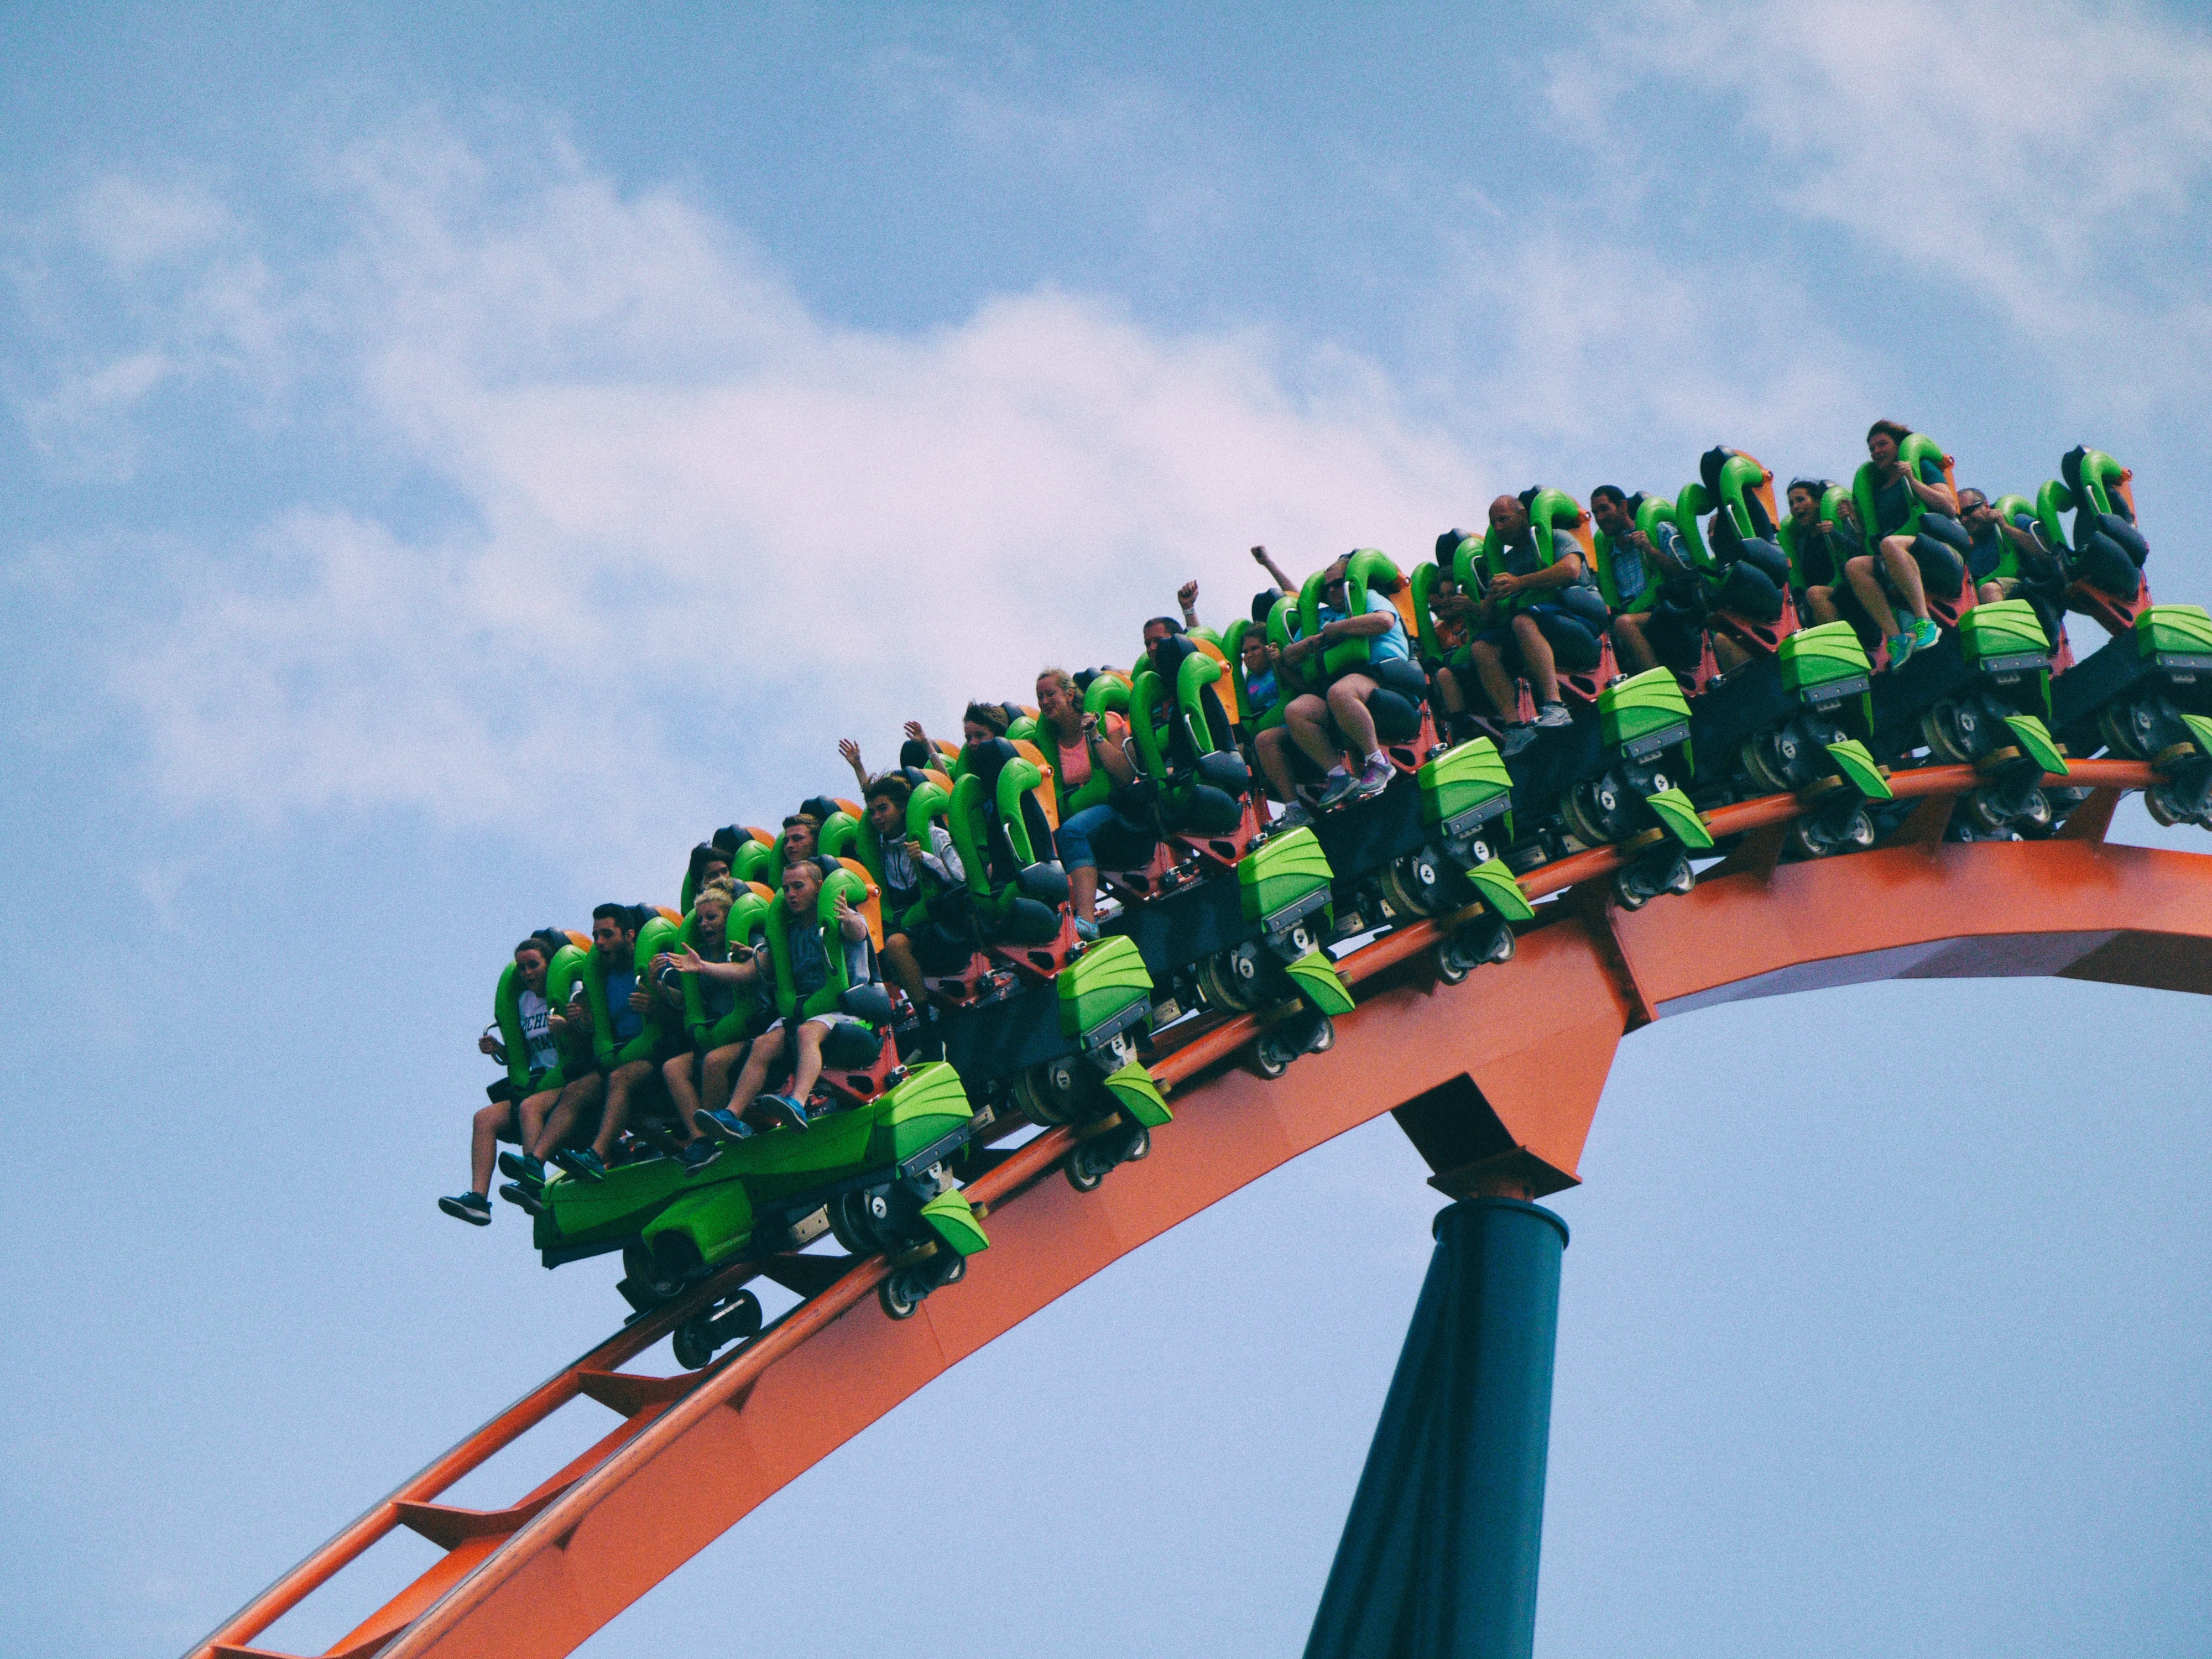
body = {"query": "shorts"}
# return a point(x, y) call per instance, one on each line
point(831, 1020)
point(1574, 645)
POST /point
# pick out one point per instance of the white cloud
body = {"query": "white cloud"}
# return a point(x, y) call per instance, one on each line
point(2049, 157)
point(700, 532)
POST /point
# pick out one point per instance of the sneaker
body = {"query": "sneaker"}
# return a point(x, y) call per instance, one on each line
point(1085, 931)
point(792, 1113)
point(698, 1154)
point(1519, 734)
point(725, 1125)
point(1374, 777)
point(1924, 632)
point(1341, 787)
point(472, 1207)
point(1293, 817)
point(1900, 647)
point(523, 1198)
point(521, 1166)
point(1553, 715)
point(581, 1162)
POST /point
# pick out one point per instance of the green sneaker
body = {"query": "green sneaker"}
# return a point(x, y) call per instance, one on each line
point(1924, 632)
point(1900, 647)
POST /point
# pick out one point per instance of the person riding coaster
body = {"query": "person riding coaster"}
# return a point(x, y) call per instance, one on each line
point(1915, 549)
point(528, 1048)
point(1540, 610)
point(1186, 809)
point(1817, 535)
point(908, 852)
point(1745, 573)
point(722, 1016)
point(1358, 692)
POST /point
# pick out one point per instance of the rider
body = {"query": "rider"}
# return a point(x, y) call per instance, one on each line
point(912, 873)
point(810, 972)
point(1907, 566)
point(699, 1080)
point(510, 1106)
point(1084, 745)
point(613, 961)
point(1643, 567)
point(1310, 716)
point(1515, 612)
point(1820, 567)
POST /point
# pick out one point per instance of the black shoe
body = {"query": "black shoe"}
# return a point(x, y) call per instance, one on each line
point(698, 1154)
point(523, 1198)
point(1519, 734)
point(472, 1207)
point(582, 1161)
point(521, 1166)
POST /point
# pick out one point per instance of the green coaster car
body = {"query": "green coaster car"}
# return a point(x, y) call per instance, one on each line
point(1105, 1000)
point(2000, 723)
point(877, 1175)
point(1635, 800)
point(1820, 750)
point(2165, 718)
point(1466, 811)
point(1283, 889)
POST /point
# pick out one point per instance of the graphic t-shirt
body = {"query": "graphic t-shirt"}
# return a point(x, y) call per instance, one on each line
point(536, 1032)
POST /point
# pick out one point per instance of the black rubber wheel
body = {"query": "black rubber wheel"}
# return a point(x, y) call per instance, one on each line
point(1502, 946)
point(2159, 800)
point(1626, 895)
point(2035, 815)
point(1082, 1174)
point(896, 1294)
point(694, 1348)
point(1858, 834)
point(953, 1270)
point(1269, 1059)
point(1986, 812)
point(1582, 823)
point(1450, 970)
point(2124, 731)
point(1139, 1147)
point(1759, 767)
point(1323, 1038)
point(645, 1275)
point(1220, 987)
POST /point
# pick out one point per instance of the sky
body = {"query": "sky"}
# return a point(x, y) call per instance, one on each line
point(452, 458)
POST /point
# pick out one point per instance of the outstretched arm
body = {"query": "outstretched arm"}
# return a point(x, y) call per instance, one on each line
point(740, 967)
point(851, 751)
point(1187, 597)
point(1275, 570)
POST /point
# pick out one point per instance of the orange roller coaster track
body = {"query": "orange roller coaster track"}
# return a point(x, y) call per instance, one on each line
point(1496, 1081)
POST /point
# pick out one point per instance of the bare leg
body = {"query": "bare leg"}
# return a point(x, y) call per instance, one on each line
point(1989, 593)
point(621, 1088)
point(1636, 650)
point(1822, 603)
point(719, 1072)
point(1307, 719)
point(1347, 703)
point(1496, 684)
point(1273, 746)
point(1083, 890)
point(1448, 693)
point(1536, 656)
point(905, 971)
point(754, 1078)
point(483, 1145)
point(806, 1071)
point(577, 1099)
point(1904, 570)
point(1859, 572)
point(533, 1113)
point(1730, 655)
point(676, 1078)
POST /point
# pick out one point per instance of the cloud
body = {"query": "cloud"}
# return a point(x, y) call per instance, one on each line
point(2049, 159)
point(680, 534)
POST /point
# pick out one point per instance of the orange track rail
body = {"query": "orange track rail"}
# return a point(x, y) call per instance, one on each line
point(1496, 1080)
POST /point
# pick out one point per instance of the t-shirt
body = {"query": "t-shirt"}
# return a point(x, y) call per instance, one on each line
point(1380, 647)
point(625, 1020)
point(1260, 693)
point(1894, 502)
point(716, 996)
point(536, 1032)
point(902, 874)
point(1631, 572)
point(1983, 554)
point(809, 968)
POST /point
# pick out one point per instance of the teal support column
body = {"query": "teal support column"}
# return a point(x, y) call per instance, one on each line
point(1438, 1557)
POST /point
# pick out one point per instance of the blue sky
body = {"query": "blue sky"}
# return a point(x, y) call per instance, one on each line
point(452, 458)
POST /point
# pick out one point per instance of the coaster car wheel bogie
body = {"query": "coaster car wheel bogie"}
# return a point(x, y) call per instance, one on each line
point(733, 1320)
point(648, 1278)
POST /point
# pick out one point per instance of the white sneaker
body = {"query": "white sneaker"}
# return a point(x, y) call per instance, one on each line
point(1293, 817)
point(1552, 715)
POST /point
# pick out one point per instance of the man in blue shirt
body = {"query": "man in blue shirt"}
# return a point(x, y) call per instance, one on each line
point(1521, 607)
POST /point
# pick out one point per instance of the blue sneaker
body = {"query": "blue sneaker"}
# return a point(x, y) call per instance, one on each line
point(698, 1154)
point(783, 1106)
point(520, 1166)
point(581, 1162)
point(725, 1124)
point(1924, 632)
point(1900, 647)
point(472, 1207)
point(523, 1198)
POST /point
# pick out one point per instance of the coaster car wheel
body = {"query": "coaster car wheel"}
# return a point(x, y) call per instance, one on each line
point(1272, 1056)
point(1450, 970)
point(696, 1339)
point(1413, 885)
point(1987, 811)
point(1084, 1168)
point(860, 1221)
point(648, 1278)
point(2166, 807)
point(1768, 758)
point(901, 1293)
point(1586, 806)
point(1951, 730)
point(2126, 729)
